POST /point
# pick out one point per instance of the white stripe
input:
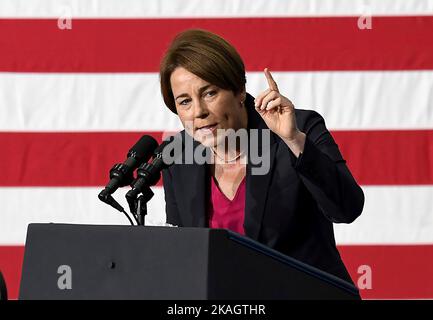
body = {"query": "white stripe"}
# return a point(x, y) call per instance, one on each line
point(21, 206)
point(132, 102)
point(210, 8)
point(83, 102)
point(392, 215)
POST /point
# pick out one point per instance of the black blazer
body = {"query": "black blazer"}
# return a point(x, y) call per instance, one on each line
point(290, 209)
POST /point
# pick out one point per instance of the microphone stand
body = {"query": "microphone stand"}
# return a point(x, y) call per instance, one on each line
point(139, 205)
point(147, 175)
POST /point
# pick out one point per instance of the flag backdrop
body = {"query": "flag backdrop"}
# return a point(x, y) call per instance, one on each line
point(72, 101)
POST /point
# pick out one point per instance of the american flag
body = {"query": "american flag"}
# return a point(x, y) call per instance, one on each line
point(79, 85)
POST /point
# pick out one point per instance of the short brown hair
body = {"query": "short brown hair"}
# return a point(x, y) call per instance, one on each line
point(206, 55)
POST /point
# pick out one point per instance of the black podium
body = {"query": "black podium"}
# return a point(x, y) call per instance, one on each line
point(135, 262)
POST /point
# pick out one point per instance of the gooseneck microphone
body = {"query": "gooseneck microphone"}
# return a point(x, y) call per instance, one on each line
point(148, 174)
point(121, 174)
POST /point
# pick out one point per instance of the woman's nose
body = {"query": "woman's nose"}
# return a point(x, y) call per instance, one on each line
point(200, 110)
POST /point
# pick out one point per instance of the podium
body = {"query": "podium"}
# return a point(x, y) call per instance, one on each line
point(64, 261)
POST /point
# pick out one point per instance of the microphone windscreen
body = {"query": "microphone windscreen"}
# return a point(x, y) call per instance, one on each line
point(143, 149)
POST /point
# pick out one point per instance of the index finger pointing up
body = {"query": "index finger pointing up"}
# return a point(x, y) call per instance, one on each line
point(271, 82)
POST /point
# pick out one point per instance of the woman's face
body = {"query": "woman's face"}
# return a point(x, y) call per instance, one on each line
point(203, 108)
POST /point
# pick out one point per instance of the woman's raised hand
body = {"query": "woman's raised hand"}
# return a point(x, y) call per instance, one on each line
point(278, 112)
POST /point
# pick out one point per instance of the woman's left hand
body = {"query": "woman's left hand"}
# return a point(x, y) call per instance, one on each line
point(278, 112)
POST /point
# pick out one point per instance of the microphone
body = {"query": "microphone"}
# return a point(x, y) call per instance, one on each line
point(121, 174)
point(148, 174)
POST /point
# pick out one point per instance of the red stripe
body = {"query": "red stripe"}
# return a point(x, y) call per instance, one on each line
point(136, 45)
point(63, 159)
point(84, 159)
point(397, 272)
point(388, 157)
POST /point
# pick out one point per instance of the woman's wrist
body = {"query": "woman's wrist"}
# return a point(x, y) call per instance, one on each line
point(296, 143)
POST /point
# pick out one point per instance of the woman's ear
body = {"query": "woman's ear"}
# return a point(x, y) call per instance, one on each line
point(243, 96)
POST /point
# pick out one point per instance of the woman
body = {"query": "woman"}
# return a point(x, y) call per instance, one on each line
point(308, 186)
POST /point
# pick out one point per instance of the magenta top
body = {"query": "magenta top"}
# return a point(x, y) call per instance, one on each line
point(225, 213)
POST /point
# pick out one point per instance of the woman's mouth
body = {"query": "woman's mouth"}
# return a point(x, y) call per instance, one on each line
point(204, 130)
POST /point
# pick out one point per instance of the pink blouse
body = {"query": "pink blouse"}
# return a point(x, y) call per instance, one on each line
point(225, 213)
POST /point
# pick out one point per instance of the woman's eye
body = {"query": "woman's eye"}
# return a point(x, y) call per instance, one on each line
point(184, 102)
point(211, 93)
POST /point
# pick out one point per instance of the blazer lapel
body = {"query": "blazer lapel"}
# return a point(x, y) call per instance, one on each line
point(195, 191)
point(257, 185)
